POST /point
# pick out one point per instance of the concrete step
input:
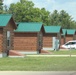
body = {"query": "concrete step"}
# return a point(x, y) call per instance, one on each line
point(15, 53)
point(45, 52)
point(62, 47)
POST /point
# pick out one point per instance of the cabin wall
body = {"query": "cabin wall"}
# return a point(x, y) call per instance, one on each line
point(9, 27)
point(48, 41)
point(63, 40)
point(25, 41)
point(1, 40)
point(69, 38)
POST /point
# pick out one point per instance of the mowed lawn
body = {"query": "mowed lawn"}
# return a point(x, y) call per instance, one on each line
point(38, 64)
point(63, 52)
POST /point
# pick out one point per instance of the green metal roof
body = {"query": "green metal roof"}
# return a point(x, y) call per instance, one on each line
point(52, 29)
point(4, 19)
point(64, 31)
point(71, 31)
point(29, 27)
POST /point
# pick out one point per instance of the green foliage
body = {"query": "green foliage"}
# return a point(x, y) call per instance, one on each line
point(21, 10)
point(45, 16)
point(1, 7)
point(24, 11)
point(54, 18)
point(62, 18)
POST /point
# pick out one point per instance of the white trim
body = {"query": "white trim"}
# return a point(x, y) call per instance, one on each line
point(54, 39)
point(1, 55)
point(16, 56)
point(8, 35)
point(51, 55)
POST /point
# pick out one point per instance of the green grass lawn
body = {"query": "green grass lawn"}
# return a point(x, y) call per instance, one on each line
point(38, 64)
point(63, 52)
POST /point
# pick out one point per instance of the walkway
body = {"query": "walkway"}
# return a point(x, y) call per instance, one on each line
point(51, 55)
point(37, 73)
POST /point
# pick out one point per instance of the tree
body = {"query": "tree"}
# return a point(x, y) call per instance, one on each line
point(54, 18)
point(5, 11)
point(65, 19)
point(62, 18)
point(26, 12)
point(21, 10)
point(45, 16)
point(35, 15)
point(1, 6)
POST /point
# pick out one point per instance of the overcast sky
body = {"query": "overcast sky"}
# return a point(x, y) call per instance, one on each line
point(68, 5)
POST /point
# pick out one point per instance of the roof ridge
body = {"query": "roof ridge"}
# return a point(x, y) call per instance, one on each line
point(70, 29)
point(5, 14)
point(30, 27)
point(53, 25)
point(30, 22)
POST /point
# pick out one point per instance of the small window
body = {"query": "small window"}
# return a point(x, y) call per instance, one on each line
point(73, 43)
point(8, 38)
point(8, 34)
point(69, 43)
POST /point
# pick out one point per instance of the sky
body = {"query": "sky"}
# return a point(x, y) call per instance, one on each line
point(68, 5)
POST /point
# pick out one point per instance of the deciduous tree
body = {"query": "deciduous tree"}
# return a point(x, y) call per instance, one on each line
point(1, 6)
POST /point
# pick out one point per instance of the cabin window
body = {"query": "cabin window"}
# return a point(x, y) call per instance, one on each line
point(8, 38)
